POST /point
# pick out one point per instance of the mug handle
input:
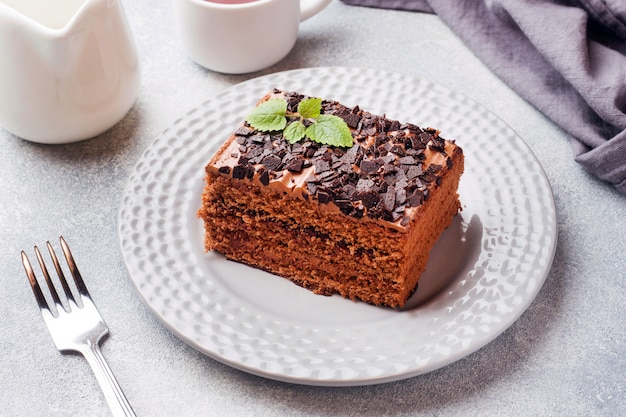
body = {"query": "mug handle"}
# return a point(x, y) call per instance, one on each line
point(309, 8)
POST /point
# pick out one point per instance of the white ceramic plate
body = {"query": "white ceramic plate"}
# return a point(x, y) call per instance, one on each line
point(483, 273)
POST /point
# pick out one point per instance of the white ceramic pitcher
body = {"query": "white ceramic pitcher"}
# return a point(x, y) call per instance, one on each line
point(68, 68)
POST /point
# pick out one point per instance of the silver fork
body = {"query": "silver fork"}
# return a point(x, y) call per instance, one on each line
point(80, 327)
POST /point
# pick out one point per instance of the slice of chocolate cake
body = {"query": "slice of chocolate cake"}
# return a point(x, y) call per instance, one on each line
point(358, 220)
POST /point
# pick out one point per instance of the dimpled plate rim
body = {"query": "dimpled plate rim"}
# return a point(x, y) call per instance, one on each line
point(505, 238)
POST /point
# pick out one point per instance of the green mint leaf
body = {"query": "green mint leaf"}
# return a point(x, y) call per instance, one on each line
point(294, 131)
point(269, 116)
point(330, 130)
point(310, 108)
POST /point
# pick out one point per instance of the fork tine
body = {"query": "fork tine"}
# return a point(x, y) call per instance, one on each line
point(41, 300)
point(78, 279)
point(60, 274)
point(53, 291)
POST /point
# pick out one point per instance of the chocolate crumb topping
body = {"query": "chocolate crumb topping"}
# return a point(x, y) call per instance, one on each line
point(379, 177)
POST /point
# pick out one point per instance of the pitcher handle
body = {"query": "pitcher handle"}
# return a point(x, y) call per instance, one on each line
point(309, 8)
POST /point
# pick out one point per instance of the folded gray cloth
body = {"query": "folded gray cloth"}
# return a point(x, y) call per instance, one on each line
point(566, 57)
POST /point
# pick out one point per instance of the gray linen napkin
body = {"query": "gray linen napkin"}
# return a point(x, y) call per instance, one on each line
point(566, 57)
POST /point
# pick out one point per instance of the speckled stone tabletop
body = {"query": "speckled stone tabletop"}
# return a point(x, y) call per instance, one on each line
point(565, 356)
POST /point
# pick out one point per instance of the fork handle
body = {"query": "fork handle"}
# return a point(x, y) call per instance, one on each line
point(116, 399)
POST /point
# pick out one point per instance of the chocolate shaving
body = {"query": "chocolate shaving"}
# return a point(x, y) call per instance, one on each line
point(364, 184)
point(239, 172)
point(323, 197)
point(295, 165)
point(272, 162)
point(244, 131)
point(321, 166)
point(415, 199)
point(389, 199)
point(368, 198)
point(264, 177)
point(413, 172)
point(408, 160)
point(369, 167)
point(351, 119)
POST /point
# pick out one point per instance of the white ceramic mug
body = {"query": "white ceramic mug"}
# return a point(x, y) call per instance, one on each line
point(68, 69)
point(241, 36)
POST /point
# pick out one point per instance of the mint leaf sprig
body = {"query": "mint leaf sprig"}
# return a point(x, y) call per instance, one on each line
point(327, 129)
